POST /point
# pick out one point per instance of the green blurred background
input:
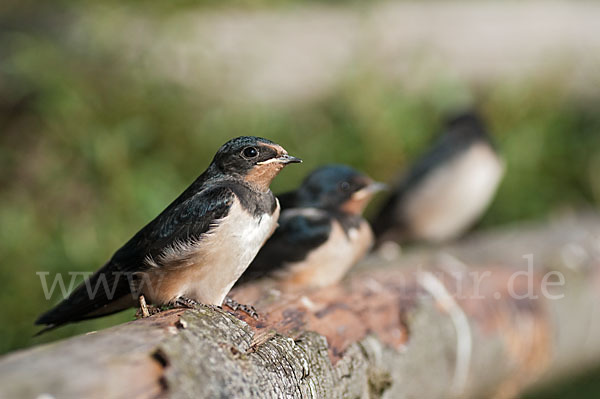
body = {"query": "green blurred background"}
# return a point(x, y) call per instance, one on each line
point(105, 117)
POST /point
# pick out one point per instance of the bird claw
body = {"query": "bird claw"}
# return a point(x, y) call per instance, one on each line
point(183, 302)
point(235, 305)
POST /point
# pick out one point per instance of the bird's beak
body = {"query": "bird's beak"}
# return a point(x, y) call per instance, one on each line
point(369, 190)
point(357, 203)
point(284, 159)
point(377, 186)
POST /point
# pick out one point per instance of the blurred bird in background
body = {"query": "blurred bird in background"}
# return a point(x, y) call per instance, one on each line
point(321, 231)
point(195, 250)
point(447, 189)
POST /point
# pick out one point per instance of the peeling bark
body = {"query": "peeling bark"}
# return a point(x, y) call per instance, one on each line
point(414, 325)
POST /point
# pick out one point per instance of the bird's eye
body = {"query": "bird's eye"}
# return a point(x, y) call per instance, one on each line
point(345, 186)
point(250, 152)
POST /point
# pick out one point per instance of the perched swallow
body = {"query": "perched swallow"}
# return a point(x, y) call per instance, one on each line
point(447, 189)
point(321, 232)
point(195, 250)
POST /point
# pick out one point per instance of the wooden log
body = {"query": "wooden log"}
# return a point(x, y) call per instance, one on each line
point(446, 322)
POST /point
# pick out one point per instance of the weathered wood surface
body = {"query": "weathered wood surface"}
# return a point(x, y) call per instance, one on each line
point(401, 326)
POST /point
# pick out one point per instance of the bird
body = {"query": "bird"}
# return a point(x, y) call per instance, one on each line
point(446, 190)
point(321, 231)
point(195, 250)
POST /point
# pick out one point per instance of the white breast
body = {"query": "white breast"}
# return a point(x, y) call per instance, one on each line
point(453, 197)
point(219, 258)
point(329, 263)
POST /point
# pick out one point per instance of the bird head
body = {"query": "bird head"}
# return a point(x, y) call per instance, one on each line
point(253, 159)
point(337, 188)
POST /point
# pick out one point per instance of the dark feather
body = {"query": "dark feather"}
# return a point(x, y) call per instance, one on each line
point(182, 221)
point(287, 200)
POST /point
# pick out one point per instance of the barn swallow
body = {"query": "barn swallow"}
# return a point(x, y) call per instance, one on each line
point(321, 232)
point(195, 250)
point(447, 189)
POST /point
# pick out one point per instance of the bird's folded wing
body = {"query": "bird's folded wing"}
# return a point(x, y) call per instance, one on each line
point(181, 222)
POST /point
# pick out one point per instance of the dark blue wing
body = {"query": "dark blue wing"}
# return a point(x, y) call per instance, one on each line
point(180, 222)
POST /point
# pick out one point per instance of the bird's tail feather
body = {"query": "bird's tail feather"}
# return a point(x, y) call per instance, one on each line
point(102, 294)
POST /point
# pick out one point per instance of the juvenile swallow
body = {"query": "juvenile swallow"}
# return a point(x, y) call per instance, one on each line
point(321, 232)
point(447, 189)
point(195, 250)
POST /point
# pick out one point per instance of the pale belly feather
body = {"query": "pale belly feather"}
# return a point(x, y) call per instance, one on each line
point(329, 263)
point(453, 197)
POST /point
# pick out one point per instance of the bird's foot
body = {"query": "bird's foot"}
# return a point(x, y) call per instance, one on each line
point(235, 305)
point(184, 302)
